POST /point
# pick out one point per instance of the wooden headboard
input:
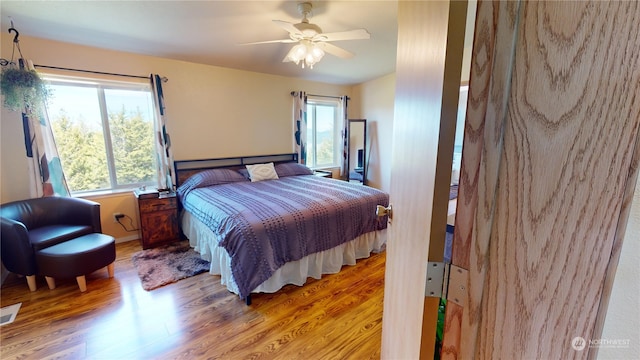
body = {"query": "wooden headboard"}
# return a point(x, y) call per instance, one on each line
point(185, 168)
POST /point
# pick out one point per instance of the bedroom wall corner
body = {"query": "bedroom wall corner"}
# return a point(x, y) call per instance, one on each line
point(124, 203)
point(14, 174)
point(376, 103)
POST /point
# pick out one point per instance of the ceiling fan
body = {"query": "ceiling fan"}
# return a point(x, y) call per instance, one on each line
point(312, 42)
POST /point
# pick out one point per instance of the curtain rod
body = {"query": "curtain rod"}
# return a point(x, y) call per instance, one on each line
point(96, 72)
point(326, 96)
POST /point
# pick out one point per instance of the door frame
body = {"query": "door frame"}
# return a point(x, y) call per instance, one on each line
point(489, 98)
point(423, 28)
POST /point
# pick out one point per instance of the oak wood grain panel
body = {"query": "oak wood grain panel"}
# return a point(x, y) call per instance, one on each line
point(569, 138)
point(453, 331)
point(489, 82)
point(486, 109)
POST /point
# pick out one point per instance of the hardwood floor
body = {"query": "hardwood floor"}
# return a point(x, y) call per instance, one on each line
point(337, 317)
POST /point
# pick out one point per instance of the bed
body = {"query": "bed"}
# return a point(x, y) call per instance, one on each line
point(262, 235)
point(453, 202)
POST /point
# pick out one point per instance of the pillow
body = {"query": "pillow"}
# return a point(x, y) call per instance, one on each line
point(455, 176)
point(292, 169)
point(244, 172)
point(455, 171)
point(260, 172)
point(209, 178)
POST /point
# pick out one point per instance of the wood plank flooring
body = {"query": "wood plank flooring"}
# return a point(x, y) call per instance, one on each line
point(337, 317)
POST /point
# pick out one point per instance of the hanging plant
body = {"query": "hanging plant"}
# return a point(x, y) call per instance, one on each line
point(23, 89)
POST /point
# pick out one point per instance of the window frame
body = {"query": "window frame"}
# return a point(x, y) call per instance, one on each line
point(312, 101)
point(101, 85)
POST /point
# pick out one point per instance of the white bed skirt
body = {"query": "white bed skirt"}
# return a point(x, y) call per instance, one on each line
point(204, 241)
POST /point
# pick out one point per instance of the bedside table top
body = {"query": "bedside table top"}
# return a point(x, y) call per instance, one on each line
point(152, 194)
point(322, 173)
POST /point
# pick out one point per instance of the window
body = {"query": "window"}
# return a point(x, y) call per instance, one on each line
point(104, 133)
point(323, 132)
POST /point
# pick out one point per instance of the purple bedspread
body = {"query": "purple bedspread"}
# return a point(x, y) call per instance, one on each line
point(265, 224)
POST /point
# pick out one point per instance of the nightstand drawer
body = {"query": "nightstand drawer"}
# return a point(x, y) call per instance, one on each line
point(151, 205)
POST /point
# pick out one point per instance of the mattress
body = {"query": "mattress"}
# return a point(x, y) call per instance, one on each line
point(264, 225)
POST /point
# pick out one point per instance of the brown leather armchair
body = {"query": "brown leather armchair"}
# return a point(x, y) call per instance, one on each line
point(35, 224)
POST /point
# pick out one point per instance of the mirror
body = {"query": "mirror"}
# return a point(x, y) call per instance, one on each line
point(356, 156)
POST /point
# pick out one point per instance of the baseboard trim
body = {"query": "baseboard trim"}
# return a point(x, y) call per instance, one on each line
point(127, 238)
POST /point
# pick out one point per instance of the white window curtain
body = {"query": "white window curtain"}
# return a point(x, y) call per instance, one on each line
point(164, 153)
point(300, 125)
point(45, 169)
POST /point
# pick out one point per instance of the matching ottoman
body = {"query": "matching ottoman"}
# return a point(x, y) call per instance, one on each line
point(76, 258)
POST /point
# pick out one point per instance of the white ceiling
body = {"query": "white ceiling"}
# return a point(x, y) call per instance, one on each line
point(209, 32)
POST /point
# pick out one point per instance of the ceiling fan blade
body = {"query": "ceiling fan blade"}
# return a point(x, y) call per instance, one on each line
point(289, 27)
point(357, 34)
point(336, 51)
point(284, 41)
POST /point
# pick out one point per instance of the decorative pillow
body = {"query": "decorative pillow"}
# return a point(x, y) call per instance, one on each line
point(209, 178)
point(292, 169)
point(259, 172)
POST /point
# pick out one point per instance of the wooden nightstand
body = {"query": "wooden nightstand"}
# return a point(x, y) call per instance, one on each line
point(158, 219)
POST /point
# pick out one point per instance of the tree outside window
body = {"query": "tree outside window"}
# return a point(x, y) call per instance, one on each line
point(104, 133)
point(323, 133)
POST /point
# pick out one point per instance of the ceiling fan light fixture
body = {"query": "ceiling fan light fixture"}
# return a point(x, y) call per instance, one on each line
point(297, 53)
point(307, 52)
point(312, 42)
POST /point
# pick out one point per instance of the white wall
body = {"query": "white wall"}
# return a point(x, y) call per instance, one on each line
point(376, 105)
point(623, 315)
point(211, 112)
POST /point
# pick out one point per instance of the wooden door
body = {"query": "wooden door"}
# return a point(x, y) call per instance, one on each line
point(550, 162)
point(427, 89)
